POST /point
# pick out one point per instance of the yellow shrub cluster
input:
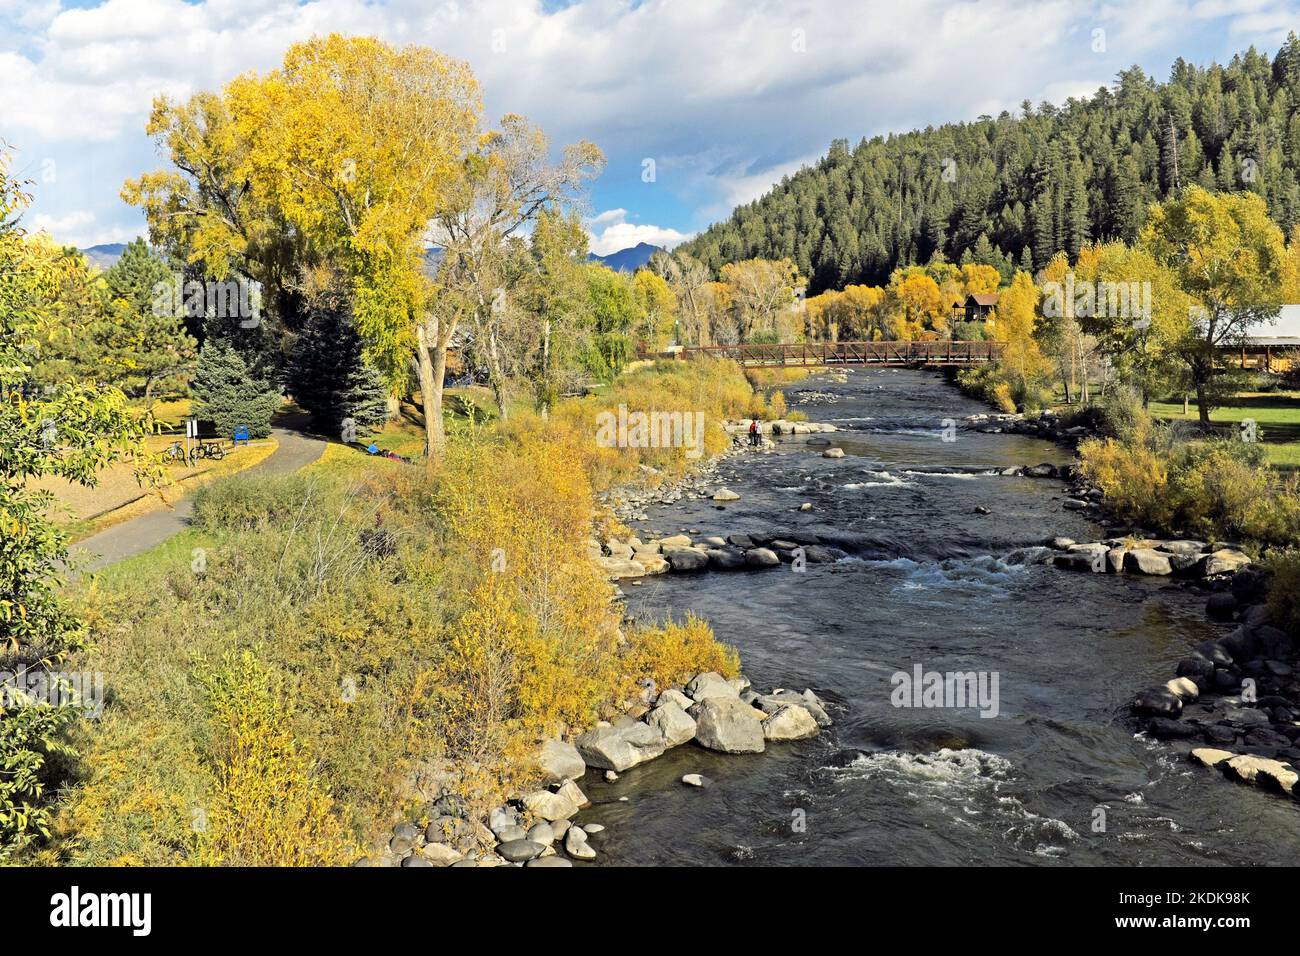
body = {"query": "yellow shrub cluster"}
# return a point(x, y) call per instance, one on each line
point(268, 808)
point(672, 653)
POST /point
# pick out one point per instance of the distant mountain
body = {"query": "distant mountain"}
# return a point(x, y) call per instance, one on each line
point(104, 255)
point(626, 260)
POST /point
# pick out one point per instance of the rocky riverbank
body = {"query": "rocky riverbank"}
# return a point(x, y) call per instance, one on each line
point(537, 828)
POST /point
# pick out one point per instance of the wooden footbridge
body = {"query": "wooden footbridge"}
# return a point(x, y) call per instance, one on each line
point(808, 354)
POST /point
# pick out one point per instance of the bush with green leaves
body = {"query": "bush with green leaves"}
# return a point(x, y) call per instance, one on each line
point(68, 430)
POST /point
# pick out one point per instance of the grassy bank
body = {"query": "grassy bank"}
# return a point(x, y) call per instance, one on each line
point(278, 674)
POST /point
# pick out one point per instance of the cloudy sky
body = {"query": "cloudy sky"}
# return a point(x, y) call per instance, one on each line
point(718, 99)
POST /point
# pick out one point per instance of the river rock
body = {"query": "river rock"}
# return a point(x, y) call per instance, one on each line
point(673, 723)
point(439, 854)
point(1221, 606)
point(761, 558)
point(1260, 770)
point(673, 696)
point(618, 549)
point(709, 684)
point(559, 761)
point(694, 780)
point(621, 567)
point(518, 851)
point(727, 725)
point(771, 703)
point(1184, 689)
point(687, 560)
point(790, 722)
point(1162, 728)
point(833, 453)
point(1183, 547)
point(742, 541)
point(1157, 702)
point(549, 861)
point(651, 563)
point(1209, 756)
point(673, 541)
point(541, 833)
point(725, 494)
point(1223, 561)
point(549, 805)
point(576, 845)
point(1148, 561)
point(619, 748)
point(725, 559)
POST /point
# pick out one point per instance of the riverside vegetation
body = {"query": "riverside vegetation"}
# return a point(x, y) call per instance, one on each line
point(279, 675)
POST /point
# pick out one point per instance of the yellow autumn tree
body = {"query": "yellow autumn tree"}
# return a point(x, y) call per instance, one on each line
point(344, 153)
point(917, 304)
point(1013, 324)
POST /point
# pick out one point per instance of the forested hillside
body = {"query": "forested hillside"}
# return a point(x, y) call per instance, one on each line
point(1014, 190)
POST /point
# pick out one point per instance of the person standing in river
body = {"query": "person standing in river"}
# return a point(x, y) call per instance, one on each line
point(753, 432)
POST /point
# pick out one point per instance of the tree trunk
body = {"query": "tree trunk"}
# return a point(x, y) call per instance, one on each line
point(1202, 409)
point(431, 370)
point(495, 373)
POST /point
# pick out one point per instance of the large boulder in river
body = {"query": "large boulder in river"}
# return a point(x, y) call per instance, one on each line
point(709, 685)
point(672, 722)
point(559, 761)
point(1157, 702)
point(761, 558)
point(771, 703)
point(1267, 773)
point(687, 560)
point(1148, 561)
point(725, 559)
point(725, 494)
point(790, 722)
point(728, 725)
point(615, 567)
point(1223, 561)
point(833, 453)
point(674, 541)
point(620, 748)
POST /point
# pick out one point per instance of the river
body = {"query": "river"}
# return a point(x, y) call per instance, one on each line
point(890, 785)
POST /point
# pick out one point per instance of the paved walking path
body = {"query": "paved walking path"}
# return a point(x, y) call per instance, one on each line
point(126, 540)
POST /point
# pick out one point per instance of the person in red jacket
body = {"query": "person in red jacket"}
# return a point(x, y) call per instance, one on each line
point(753, 432)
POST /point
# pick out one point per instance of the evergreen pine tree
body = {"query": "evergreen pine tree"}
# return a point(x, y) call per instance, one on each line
point(229, 394)
point(328, 376)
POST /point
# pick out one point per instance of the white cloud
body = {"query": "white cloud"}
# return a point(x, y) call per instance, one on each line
point(726, 96)
point(616, 233)
point(79, 228)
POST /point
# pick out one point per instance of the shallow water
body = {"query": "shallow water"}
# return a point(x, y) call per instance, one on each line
point(891, 785)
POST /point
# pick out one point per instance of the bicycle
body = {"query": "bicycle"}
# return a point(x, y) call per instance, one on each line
point(175, 454)
point(207, 449)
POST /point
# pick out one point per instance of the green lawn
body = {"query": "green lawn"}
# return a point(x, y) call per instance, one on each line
point(1276, 415)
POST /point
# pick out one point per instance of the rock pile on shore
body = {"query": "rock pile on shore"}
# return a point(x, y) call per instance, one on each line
point(1046, 425)
point(1239, 695)
point(537, 828)
point(633, 558)
point(1153, 557)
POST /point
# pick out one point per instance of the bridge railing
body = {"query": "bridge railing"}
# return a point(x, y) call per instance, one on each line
point(850, 353)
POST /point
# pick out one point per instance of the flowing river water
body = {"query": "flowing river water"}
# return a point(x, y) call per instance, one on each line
point(891, 785)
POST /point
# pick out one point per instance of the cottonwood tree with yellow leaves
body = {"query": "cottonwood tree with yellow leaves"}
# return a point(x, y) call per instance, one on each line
point(1227, 255)
point(344, 154)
